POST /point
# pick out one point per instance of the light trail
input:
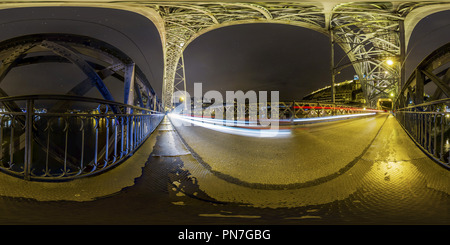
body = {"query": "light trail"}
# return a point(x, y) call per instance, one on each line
point(244, 128)
point(249, 132)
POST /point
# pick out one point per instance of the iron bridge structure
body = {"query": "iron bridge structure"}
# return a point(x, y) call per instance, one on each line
point(374, 35)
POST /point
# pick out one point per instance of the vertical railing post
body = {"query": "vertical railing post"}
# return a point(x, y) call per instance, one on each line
point(116, 122)
point(435, 136)
point(107, 141)
point(430, 119)
point(442, 137)
point(97, 122)
point(333, 74)
point(1, 137)
point(128, 149)
point(28, 138)
point(122, 138)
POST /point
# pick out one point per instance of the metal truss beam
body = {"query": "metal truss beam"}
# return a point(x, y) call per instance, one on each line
point(82, 64)
point(66, 48)
point(15, 56)
point(370, 33)
point(433, 69)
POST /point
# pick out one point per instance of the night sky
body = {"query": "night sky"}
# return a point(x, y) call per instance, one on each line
point(289, 59)
point(267, 57)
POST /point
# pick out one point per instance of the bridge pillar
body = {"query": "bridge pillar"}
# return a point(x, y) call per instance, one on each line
point(402, 41)
point(129, 85)
point(420, 83)
point(170, 66)
point(333, 92)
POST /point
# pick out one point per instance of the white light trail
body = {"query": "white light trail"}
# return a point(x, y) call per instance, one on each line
point(256, 130)
point(250, 132)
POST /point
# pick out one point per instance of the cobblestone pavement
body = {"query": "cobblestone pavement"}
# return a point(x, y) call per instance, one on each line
point(388, 180)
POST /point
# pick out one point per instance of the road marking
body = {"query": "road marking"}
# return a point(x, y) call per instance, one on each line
point(230, 216)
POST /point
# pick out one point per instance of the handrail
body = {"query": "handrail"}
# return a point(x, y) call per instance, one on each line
point(286, 109)
point(58, 146)
point(70, 97)
point(434, 102)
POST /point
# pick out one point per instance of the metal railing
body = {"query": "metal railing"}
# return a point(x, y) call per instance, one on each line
point(428, 124)
point(287, 110)
point(306, 109)
point(92, 137)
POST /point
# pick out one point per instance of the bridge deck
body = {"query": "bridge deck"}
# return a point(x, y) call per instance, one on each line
point(369, 160)
point(314, 151)
point(377, 177)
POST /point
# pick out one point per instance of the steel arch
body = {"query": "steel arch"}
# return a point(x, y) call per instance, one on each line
point(95, 58)
point(370, 33)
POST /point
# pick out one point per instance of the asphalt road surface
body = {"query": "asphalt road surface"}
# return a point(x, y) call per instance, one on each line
point(357, 171)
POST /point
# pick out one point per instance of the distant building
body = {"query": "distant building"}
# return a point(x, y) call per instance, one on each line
point(347, 92)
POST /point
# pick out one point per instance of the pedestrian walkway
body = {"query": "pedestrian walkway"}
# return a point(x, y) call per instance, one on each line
point(82, 189)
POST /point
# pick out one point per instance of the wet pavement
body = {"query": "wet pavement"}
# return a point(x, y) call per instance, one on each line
point(381, 178)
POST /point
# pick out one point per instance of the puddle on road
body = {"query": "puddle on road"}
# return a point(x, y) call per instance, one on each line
point(184, 183)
